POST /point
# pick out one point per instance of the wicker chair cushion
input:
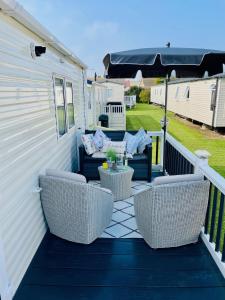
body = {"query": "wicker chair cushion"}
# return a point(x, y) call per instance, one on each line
point(66, 175)
point(177, 178)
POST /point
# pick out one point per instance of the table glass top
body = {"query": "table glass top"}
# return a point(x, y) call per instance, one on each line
point(120, 169)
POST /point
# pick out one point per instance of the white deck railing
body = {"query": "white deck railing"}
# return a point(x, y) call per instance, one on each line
point(116, 115)
point(113, 109)
point(213, 232)
point(130, 101)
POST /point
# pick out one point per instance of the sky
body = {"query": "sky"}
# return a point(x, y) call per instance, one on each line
point(92, 28)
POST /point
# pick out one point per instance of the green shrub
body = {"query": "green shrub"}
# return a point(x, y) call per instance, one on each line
point(134, 90)
point(145, 96)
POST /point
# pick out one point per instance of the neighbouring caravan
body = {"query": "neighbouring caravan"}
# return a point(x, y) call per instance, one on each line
point(202, 100)
point(42, 88)
point(96, 100)
point(115, 91)
point(115, 106)
point(107, 98)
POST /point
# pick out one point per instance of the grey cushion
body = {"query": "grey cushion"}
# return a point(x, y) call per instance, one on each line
point(66, 175)
point(177, 178)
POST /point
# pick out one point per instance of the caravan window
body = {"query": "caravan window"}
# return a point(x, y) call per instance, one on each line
point(187, 93)
point(213, 97)
point(109, 93)
point(60, 106)
point(177, 93)
point(70, 104)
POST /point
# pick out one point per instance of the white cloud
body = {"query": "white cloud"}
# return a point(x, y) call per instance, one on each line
point(101, 29)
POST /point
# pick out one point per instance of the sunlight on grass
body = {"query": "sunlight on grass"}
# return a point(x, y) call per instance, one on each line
point(149, 116)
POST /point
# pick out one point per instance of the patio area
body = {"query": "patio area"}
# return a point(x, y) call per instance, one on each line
point(123, 224)
point(121, 265)
point(120, 269)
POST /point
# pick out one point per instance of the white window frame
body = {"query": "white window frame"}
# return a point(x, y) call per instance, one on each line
point(213, 97)
point(177, 93)
point(65, 79)
point(187, 93)
point(109, 92)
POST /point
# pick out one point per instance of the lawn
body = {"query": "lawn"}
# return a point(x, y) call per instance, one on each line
point(191, 136)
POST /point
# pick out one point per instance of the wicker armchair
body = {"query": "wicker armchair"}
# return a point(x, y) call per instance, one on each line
point(75, 211)
point(171, 215)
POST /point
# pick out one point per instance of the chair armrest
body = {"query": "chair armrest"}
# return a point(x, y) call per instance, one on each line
point(101, 206)
point(148, 148)
point(81, 157)
point(103, 190)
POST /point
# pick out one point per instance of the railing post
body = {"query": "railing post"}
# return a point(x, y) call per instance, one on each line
point(202, 160)
point(161, 148)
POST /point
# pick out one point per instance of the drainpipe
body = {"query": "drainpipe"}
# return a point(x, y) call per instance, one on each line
point(84, 97)
point(214, 104)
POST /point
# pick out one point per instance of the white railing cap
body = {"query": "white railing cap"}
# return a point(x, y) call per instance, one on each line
point(203, 154)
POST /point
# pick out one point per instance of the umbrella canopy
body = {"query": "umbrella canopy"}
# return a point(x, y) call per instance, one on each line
point(160, 62)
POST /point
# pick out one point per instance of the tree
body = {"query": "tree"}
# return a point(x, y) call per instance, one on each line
point(159, 80)
point(145, 96)
point(134, 90)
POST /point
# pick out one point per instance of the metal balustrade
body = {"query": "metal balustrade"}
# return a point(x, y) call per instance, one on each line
point(179, 160)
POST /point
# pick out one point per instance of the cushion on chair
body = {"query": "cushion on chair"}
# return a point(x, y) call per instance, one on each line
point(146, 140)
point(98, 154)
point(119, 147)
point(99, 139)
point(88, 143)
point(132, 142)
point(66, 175)
point(177, 178)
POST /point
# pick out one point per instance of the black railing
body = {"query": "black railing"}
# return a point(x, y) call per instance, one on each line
point(176, 163)
point(155, 149)
point(215, 219)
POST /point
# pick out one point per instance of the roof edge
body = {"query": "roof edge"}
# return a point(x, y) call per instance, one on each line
point(221, 75)
point(13, 9)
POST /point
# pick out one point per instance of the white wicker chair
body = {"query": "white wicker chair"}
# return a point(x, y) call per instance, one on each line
point(75, 211)
point(172, 215)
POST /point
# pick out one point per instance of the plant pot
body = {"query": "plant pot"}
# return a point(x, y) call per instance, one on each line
point(114, 165)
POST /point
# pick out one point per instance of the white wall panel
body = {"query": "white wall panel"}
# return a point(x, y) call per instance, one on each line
point(197, 107)
point(28, 139)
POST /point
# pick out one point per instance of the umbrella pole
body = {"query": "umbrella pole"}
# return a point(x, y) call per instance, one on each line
point(165, 124)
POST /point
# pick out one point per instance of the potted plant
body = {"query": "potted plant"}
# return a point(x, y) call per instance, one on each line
point(111, 155)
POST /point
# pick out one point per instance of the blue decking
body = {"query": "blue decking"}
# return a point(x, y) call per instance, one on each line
point(121, 269)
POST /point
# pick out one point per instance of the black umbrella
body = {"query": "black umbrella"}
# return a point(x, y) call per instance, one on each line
point(161, 62)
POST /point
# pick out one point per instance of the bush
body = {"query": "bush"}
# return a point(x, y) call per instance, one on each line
point(145, 96)
point(134, 90)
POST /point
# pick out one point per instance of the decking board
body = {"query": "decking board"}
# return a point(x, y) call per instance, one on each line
point(120, 269)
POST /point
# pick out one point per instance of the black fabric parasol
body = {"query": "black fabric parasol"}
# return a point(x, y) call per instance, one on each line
point(160, 62)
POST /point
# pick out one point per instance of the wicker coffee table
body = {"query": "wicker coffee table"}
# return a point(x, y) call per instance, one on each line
point(118, 181)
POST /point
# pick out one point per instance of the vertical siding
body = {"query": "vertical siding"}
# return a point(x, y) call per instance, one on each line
point(29, 141)
point(197, 107)
point(220, 106)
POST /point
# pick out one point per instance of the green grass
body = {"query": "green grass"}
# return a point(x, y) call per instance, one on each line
point(191, 136)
